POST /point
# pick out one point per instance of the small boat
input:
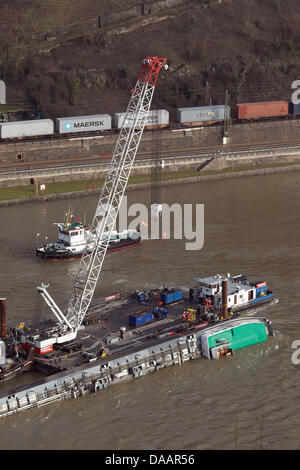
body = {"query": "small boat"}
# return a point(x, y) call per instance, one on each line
point(74, 237)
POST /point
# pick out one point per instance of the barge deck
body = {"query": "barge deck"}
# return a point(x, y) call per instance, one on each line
point(109, 351)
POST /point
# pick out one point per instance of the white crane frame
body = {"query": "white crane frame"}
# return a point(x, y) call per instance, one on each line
point(111, 198)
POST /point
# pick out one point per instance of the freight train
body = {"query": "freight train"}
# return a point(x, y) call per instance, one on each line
point(157, 119)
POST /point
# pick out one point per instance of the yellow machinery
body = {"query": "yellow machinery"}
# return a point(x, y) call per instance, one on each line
point(191, 314)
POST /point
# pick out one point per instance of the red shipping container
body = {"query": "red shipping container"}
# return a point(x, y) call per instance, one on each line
point(263, 109)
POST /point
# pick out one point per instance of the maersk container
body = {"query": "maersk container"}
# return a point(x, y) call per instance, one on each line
point(26, 128)
point(136, 320)
point(155, 118)
point(262, 109)
point(203, 114)
point(97, 122)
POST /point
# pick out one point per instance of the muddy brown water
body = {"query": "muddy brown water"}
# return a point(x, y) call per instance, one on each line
point(248, 401)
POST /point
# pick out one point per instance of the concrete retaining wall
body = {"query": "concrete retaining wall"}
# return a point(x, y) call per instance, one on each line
point(57, 148)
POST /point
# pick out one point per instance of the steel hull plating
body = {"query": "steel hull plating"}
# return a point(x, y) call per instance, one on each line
point(138, 361)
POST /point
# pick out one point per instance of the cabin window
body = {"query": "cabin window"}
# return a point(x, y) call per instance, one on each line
point(73, 234)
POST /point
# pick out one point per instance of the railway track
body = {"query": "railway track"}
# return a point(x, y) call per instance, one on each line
point(187, 152)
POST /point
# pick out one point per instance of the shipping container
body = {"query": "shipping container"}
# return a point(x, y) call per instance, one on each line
point(170, 297)
point(155, 119)
point(166, 298)
point(177, 295)
point(98, 122)
point(201, 114)
point(26, 128)
point(262, 110)
point(140, 319)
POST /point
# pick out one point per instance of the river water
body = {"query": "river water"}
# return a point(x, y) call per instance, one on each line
point(248, 401)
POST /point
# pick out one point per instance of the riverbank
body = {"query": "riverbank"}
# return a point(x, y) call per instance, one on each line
point(69, 189)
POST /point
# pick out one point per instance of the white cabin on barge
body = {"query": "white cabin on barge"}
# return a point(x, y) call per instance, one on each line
point(240, 291)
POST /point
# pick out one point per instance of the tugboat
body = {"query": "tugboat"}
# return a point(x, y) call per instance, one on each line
point(74, 237)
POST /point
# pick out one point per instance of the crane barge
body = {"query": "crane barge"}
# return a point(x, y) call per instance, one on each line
point(165, 327)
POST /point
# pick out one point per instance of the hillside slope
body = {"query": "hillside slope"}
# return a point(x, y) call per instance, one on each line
point(75, 58)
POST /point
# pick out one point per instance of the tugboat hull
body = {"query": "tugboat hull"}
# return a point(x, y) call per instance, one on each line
point(68, 254)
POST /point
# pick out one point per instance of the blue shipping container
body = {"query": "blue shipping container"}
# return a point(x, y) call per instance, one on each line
point(177, 295)
point(136, 320)
point(167, 298)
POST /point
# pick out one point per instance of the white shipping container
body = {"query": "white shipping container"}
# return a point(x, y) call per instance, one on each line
point(26, 128)
point(98, 122)
point(203, 113)
point(158, 117)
